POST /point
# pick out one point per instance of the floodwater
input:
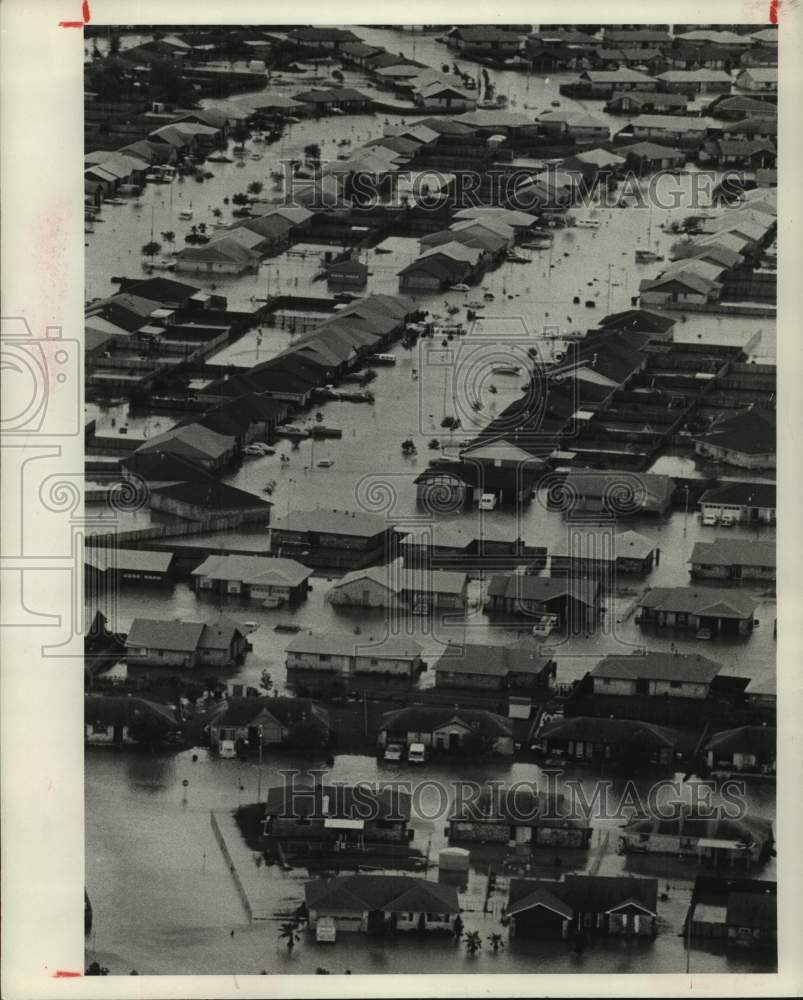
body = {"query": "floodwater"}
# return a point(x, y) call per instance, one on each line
point(164, 902)
point(163, 899)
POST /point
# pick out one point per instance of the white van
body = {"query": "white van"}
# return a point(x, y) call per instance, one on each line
point(488, 501)
point(417, 753)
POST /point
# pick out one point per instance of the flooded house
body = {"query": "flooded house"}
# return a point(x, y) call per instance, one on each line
point(680, 288)
point(395, 586)
point(696, 81)
point(620, 906)
point(744, 750)
point(657, 674)
point(621, 494)
point(587, 553)
point(602, 741)
point(708, 609)
point(379, 904)
point(603, 82)
point(126, 720)
point(575, 603)
point(519, 818)
point(204, 447)
point(346, 538)
point(444, 730)
point(517, 666)
point(708, 840)
point(733, 559)
point(665, 128)
point(738, 912)
point(746, 439)
point(157, 643)
point(246, 725)
point(110, 567)
point(209, 501)
point(221, 256)
point(339, 814)
point(484, 41)
point(348, 654)
point(256, 578)
point(745, 503)
point(758, 79)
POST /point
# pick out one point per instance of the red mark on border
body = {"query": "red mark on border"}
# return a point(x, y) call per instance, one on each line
point(78, 24)
point(66, 974)
point(773, 11)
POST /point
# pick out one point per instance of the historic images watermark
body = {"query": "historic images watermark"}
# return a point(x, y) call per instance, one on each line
point(430, 190)
point(550, 797)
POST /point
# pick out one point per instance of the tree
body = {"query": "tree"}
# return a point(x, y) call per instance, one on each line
point(217, 213)
point(313, 152)
point(288, 933)
point(255, 187)
point(169, 237)
point(434, 444)
point(266, 681)
point(239, 198)
point(151, 249)
point(496, 942)
point(308, 735)
point(240, 133)
point(96, 969)
point(201, 227)
point(450, 423)
point(473, 943)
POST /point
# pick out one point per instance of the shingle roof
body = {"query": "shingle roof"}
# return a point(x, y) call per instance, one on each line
point(127, 560)
point(706, 602)
point(286, 711)
point(543, 588)
point(332, 521)
point(614, 731)
point(497, 661)
point(111, 710)
point(734, 552)
point(426, 719)
point(351, 645)
point(362, 893)
point(172, 636)
point(751, 432)
point(583, 893)
point(254, 569)
point(658, 666)
point(759, 740)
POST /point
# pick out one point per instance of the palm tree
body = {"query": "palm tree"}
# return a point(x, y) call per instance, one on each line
point(496, 942)
point(288, 933)
point(169, 237)
point(473, 943)
point(151, 248)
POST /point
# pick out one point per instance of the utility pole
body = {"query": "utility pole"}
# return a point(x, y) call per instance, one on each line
point(685, 507)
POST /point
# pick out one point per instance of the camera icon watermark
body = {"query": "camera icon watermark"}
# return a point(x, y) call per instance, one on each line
point(41, 381)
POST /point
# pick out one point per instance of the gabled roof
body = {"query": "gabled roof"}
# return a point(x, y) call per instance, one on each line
point(262, 570)
point(498, 661)
point(286, 711)
point(751, 432)
point(705, 602)
point(220, 634)
point(127, 560)
point(366, 893)
point(734, 552)
point(426, 719)
point(584, 894)
point(758, 740)
point(332, 521)
point(758, 495)
point(172, 636)
point(392, 647)
point(671, 123)
point(212, 495)
point(658, 666)
point(543, 588)
point(126, 710)
point(621, 732)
